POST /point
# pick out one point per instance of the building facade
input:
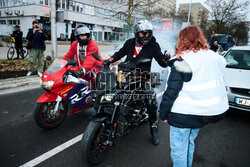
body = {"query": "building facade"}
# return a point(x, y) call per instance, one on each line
point(198, 12)
point(103, 17)
point(167, 6)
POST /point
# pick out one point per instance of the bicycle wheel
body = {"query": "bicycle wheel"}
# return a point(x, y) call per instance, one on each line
point(9, 42)
point(25, 52)
point(11, 53)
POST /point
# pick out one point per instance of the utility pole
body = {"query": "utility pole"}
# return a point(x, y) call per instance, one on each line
point(189, 11)
point(53, 29)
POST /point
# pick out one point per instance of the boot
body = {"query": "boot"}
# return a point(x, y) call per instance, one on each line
point(154, 134)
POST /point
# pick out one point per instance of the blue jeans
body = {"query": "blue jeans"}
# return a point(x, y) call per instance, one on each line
point(182, 145)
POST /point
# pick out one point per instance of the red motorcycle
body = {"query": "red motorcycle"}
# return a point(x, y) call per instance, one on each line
point(66, 94)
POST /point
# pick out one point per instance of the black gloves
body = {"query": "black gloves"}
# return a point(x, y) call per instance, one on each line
point(80, 72)
point(166, 56)
point(107, 62)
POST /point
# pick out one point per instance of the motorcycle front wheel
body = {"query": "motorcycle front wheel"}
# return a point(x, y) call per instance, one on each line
point(46, 118)
point(93, 149)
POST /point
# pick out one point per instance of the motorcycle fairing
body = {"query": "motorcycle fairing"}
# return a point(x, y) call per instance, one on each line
point(78, 95)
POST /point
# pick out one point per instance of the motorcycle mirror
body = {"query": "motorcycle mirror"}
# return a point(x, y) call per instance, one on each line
point(96, 56)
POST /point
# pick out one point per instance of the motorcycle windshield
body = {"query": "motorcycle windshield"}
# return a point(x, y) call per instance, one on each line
point(56, 66)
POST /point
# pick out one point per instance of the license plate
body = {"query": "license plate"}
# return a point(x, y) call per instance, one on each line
point(241, 101)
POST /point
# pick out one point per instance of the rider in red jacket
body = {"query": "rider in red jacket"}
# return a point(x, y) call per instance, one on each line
point(82, 49)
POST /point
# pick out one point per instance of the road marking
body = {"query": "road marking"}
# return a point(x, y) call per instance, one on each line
point(52, 152)
point(58, 149)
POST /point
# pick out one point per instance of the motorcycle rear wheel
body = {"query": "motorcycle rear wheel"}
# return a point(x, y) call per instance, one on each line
point(93, 150)
point(44, 117)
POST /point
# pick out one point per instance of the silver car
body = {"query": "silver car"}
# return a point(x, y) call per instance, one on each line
point(237, 77)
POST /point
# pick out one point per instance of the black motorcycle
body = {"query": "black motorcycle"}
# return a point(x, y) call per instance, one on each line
point(120, 106)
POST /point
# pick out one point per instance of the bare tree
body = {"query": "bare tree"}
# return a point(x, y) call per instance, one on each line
point(203, 20)
point(226, 13)
point(240, 32)
point(130, 8)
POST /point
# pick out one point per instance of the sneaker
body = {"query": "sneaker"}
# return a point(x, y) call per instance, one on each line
point(39, 74)
point(29, 73)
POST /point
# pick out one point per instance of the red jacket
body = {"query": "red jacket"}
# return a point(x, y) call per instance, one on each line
point(90, 62)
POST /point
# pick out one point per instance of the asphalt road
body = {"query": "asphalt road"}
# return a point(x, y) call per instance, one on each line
point(224, 144)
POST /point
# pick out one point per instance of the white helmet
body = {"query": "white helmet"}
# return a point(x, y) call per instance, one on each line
point(143, 26)
point(82, 30)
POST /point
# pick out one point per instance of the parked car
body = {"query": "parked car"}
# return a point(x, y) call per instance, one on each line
point(237, 77)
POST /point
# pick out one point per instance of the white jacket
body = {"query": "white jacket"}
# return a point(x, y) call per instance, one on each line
point(205, 94)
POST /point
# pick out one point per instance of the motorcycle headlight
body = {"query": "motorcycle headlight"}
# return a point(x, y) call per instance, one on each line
point(107, 98)
point(47, 84)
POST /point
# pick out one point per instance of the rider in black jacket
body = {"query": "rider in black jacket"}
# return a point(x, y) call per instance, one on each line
point(18, 35)
point(144, 45)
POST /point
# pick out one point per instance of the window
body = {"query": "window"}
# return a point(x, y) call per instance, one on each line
point(3, 22)
point(77, 8)
point(67, 4)
point(10, 3)
point(3, 3)
point(89, 10)
point(63, 4)
point(13, 22)
point(239, 59)
point(9, 22)
point(41, 2)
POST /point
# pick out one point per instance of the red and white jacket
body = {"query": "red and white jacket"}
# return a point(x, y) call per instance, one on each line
point(90, 62)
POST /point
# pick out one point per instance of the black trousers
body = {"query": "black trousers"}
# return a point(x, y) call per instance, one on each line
point(19, 49)
point(152, 106)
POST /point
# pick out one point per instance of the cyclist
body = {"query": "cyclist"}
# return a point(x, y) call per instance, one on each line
point(18, 35)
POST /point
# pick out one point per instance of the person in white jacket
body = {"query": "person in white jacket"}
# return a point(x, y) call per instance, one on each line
point(196, 93)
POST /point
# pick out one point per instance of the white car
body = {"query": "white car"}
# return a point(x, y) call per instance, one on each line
point(237, 77)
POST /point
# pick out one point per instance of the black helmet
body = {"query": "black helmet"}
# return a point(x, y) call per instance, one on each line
point(82, 30)
point(17, 26)
point(143, 26)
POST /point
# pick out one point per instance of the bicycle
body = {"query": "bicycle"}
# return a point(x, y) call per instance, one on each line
point(12, 50)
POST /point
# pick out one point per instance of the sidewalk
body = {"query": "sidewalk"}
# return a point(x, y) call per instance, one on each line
point(62, 48)
point(34, 80)
point(11, 85)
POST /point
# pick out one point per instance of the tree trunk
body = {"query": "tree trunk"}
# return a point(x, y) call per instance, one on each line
point(130, 4)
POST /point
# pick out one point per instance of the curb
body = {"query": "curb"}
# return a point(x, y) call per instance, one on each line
point(18, 82)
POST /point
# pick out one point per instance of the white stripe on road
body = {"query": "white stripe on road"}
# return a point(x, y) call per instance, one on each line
point(52, 152)
point(58, 149)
